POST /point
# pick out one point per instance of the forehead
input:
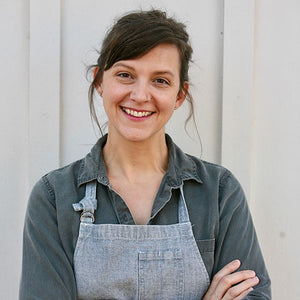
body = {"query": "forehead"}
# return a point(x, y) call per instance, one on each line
point(164, 57)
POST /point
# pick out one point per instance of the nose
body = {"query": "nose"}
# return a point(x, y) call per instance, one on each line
point(140, 92)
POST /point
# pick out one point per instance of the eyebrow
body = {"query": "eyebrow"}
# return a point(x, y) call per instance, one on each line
point(159, 72)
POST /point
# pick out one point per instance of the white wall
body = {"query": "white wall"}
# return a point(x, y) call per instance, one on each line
point(244, 83)
point(261, 137)
point(14, 140)
point(276, 141)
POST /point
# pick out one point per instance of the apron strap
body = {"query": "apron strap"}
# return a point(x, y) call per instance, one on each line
point(183, 215)
point(88, 204)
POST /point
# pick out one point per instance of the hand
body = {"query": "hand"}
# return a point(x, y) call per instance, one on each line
point(221, 287)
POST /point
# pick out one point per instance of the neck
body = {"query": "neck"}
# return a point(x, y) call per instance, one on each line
point(135, 160)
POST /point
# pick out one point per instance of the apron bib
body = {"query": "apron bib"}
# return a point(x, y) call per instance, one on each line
point(115, 261)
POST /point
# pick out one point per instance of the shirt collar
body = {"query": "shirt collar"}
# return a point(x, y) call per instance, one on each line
point(92, 166)
point(181, 166)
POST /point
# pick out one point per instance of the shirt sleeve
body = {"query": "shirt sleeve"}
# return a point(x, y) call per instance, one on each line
point(46, 271)
point(237, 238)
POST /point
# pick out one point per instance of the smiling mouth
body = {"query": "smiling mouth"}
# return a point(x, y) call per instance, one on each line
point(137, 114)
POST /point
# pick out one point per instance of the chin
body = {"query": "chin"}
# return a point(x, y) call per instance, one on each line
point(137, 136)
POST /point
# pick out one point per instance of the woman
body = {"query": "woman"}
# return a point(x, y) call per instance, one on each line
point(137, 218)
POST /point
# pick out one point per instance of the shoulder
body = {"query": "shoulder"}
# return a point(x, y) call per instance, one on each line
point(43, 201)
point(211, 176)
point(51, 200)
point(78, 172)
point(55, 183)
point(65, 175)
point(219, 181)
point(211, 172)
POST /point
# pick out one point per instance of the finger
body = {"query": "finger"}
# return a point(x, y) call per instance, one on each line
point(238, 291)
point(228, 269)
point(244, 294)
point(228, 281)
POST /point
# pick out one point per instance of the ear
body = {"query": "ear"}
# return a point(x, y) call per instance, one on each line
point(182, 95)
point(98, 85)
point(95, 72)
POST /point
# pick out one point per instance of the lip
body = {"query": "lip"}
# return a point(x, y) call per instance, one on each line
point(136, 114)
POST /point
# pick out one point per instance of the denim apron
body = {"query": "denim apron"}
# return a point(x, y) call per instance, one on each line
point(115, 261)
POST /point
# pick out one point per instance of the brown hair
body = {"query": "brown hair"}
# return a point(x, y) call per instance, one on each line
point(135, 34)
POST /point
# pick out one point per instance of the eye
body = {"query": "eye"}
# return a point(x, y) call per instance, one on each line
point(161, 81)
point(124, 75)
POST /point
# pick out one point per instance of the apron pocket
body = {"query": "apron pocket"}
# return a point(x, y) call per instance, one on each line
point(207, 250)
point(161, 274)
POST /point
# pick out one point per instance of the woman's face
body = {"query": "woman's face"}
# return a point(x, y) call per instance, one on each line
point(140, 95)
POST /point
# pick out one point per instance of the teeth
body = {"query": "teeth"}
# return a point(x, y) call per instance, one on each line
point(138, 114)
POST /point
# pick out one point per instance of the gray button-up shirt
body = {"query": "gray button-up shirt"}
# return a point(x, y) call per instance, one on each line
point(218, 211)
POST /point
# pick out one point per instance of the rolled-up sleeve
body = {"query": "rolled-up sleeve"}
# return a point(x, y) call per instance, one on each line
point(46, 270)
point(236, 238)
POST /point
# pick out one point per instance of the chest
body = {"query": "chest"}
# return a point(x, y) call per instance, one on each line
point(139, 197)
point(139, 262)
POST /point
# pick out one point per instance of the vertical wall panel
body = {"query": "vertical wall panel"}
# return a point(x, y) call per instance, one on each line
point(238, 89)
point(275, 187)
point(13, 139)
point(44, 88)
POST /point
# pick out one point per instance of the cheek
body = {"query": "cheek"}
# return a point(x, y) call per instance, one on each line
point(167, 104)
point(112, 95)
